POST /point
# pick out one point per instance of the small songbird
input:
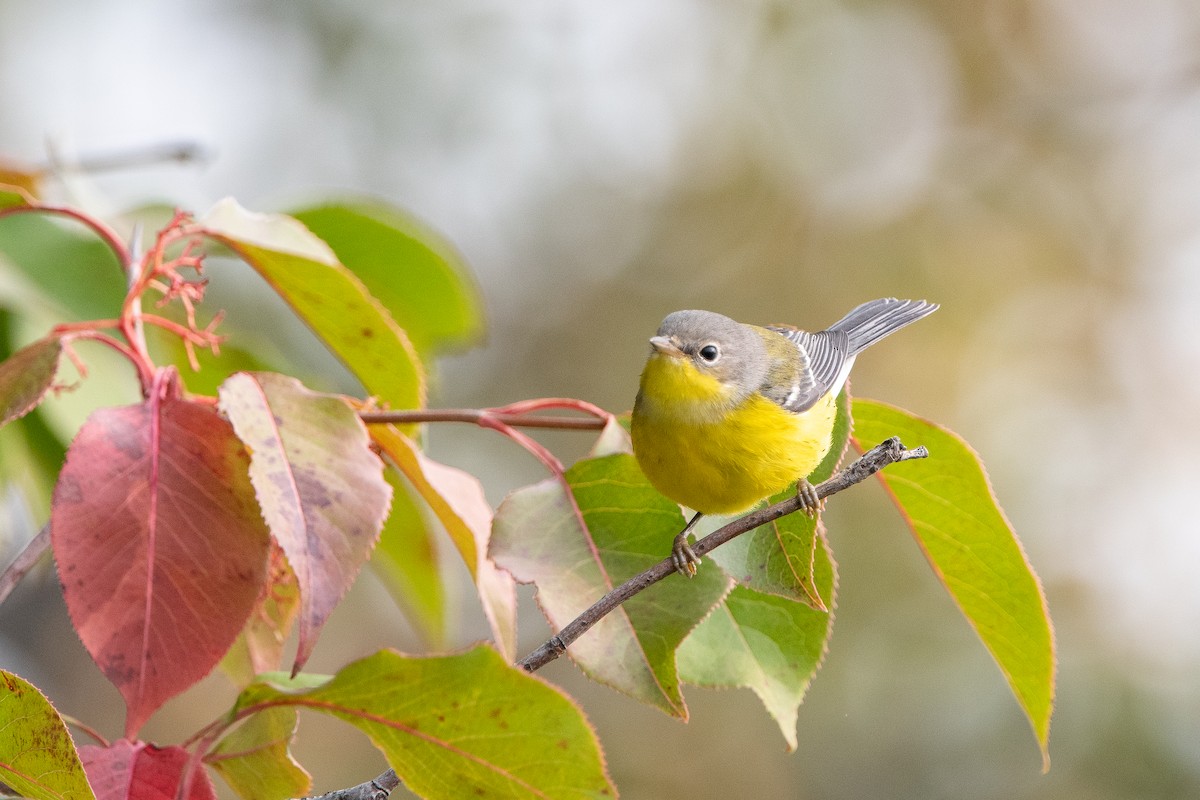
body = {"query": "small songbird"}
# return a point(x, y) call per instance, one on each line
point(728, 414)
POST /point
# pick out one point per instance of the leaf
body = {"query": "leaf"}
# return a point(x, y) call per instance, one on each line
point(320, 487)
point(766, 643)
point(457, 500)
point(328, 297)
point(417, 276)
point(26, 376)
point(259, 647)
point(406, 562)
point(37, 756)
point(779, 557)
point(160, 545)
point(255, 761)
point(70, 264)
point(138, 771)
point(467, 725)
point(953, 513)
point(576, 547)
point(19, 186)
point(30, 453)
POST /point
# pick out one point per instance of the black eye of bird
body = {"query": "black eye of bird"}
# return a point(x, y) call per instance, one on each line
point(709, 353)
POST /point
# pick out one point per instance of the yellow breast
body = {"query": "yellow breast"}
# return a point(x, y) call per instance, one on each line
point(706, 452)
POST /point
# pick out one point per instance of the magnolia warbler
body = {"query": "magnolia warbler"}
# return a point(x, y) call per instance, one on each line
point(728, 414)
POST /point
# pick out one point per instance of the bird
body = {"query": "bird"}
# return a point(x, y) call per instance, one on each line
point(729, 413)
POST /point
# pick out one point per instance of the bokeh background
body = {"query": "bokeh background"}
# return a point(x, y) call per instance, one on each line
point(1032, 165)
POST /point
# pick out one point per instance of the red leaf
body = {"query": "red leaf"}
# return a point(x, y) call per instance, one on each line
point(161, 548)
point(128, 770)
point(320, 486)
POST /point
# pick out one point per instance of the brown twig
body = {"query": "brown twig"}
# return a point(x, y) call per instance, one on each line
point(378, 789)
point(875, 459)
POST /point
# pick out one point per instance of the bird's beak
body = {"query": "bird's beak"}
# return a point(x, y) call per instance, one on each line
point(664, 345)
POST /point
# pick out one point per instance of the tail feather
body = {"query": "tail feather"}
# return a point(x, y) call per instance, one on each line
point(870, 322)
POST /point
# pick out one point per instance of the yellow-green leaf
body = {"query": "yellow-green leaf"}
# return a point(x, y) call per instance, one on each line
point(467, 725)
point(769, 644)
point(416, 275)
point(38, 759)
point(334, 303)
point(954, 515)
point(255, 760)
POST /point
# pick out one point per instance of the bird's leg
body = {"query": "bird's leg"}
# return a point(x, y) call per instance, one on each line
point(686, 561)
point(807, 493)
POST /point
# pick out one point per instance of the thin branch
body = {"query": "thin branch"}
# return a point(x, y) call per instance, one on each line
point(875, 459)
point(89, 730)
point(24, 561)
point(506, 419)
point(481, 416)
point(149, 155)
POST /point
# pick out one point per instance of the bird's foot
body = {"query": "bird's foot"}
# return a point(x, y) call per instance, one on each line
point(810, 502)
point(685, 559)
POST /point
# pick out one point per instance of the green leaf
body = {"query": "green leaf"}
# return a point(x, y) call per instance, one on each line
point(577, 546)
point(30, 457)
point(973, 550)
point(26, 376)
point(319, 485)
point(467, 725)
point(415, 274)
point(328, 297)
point(457, 500)
point(766, 643)
point(255, 761)
point(74, 269)
point(406, 561)
point(38, 759)
point(779, 558)
point(15, 188)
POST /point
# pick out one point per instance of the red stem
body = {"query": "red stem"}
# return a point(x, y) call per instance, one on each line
point(106, 233)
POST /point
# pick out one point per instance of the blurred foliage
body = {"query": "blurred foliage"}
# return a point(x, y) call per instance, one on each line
point(1030, 165)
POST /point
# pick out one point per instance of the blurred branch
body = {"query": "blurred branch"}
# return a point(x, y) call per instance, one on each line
point(138, 156)
point(24, 562)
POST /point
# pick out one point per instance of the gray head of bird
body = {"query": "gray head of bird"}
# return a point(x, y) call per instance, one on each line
point(714, 345)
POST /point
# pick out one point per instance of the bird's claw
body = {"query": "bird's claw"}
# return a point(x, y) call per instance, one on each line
point(685, 559)
point(810, 502)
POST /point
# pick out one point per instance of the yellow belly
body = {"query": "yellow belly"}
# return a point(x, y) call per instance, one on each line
point(724, 466)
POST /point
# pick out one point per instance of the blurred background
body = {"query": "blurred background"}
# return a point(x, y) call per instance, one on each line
point(1032, 166)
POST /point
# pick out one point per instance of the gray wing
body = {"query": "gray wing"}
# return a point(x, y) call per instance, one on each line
point(826, 356)
point(822, 357)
